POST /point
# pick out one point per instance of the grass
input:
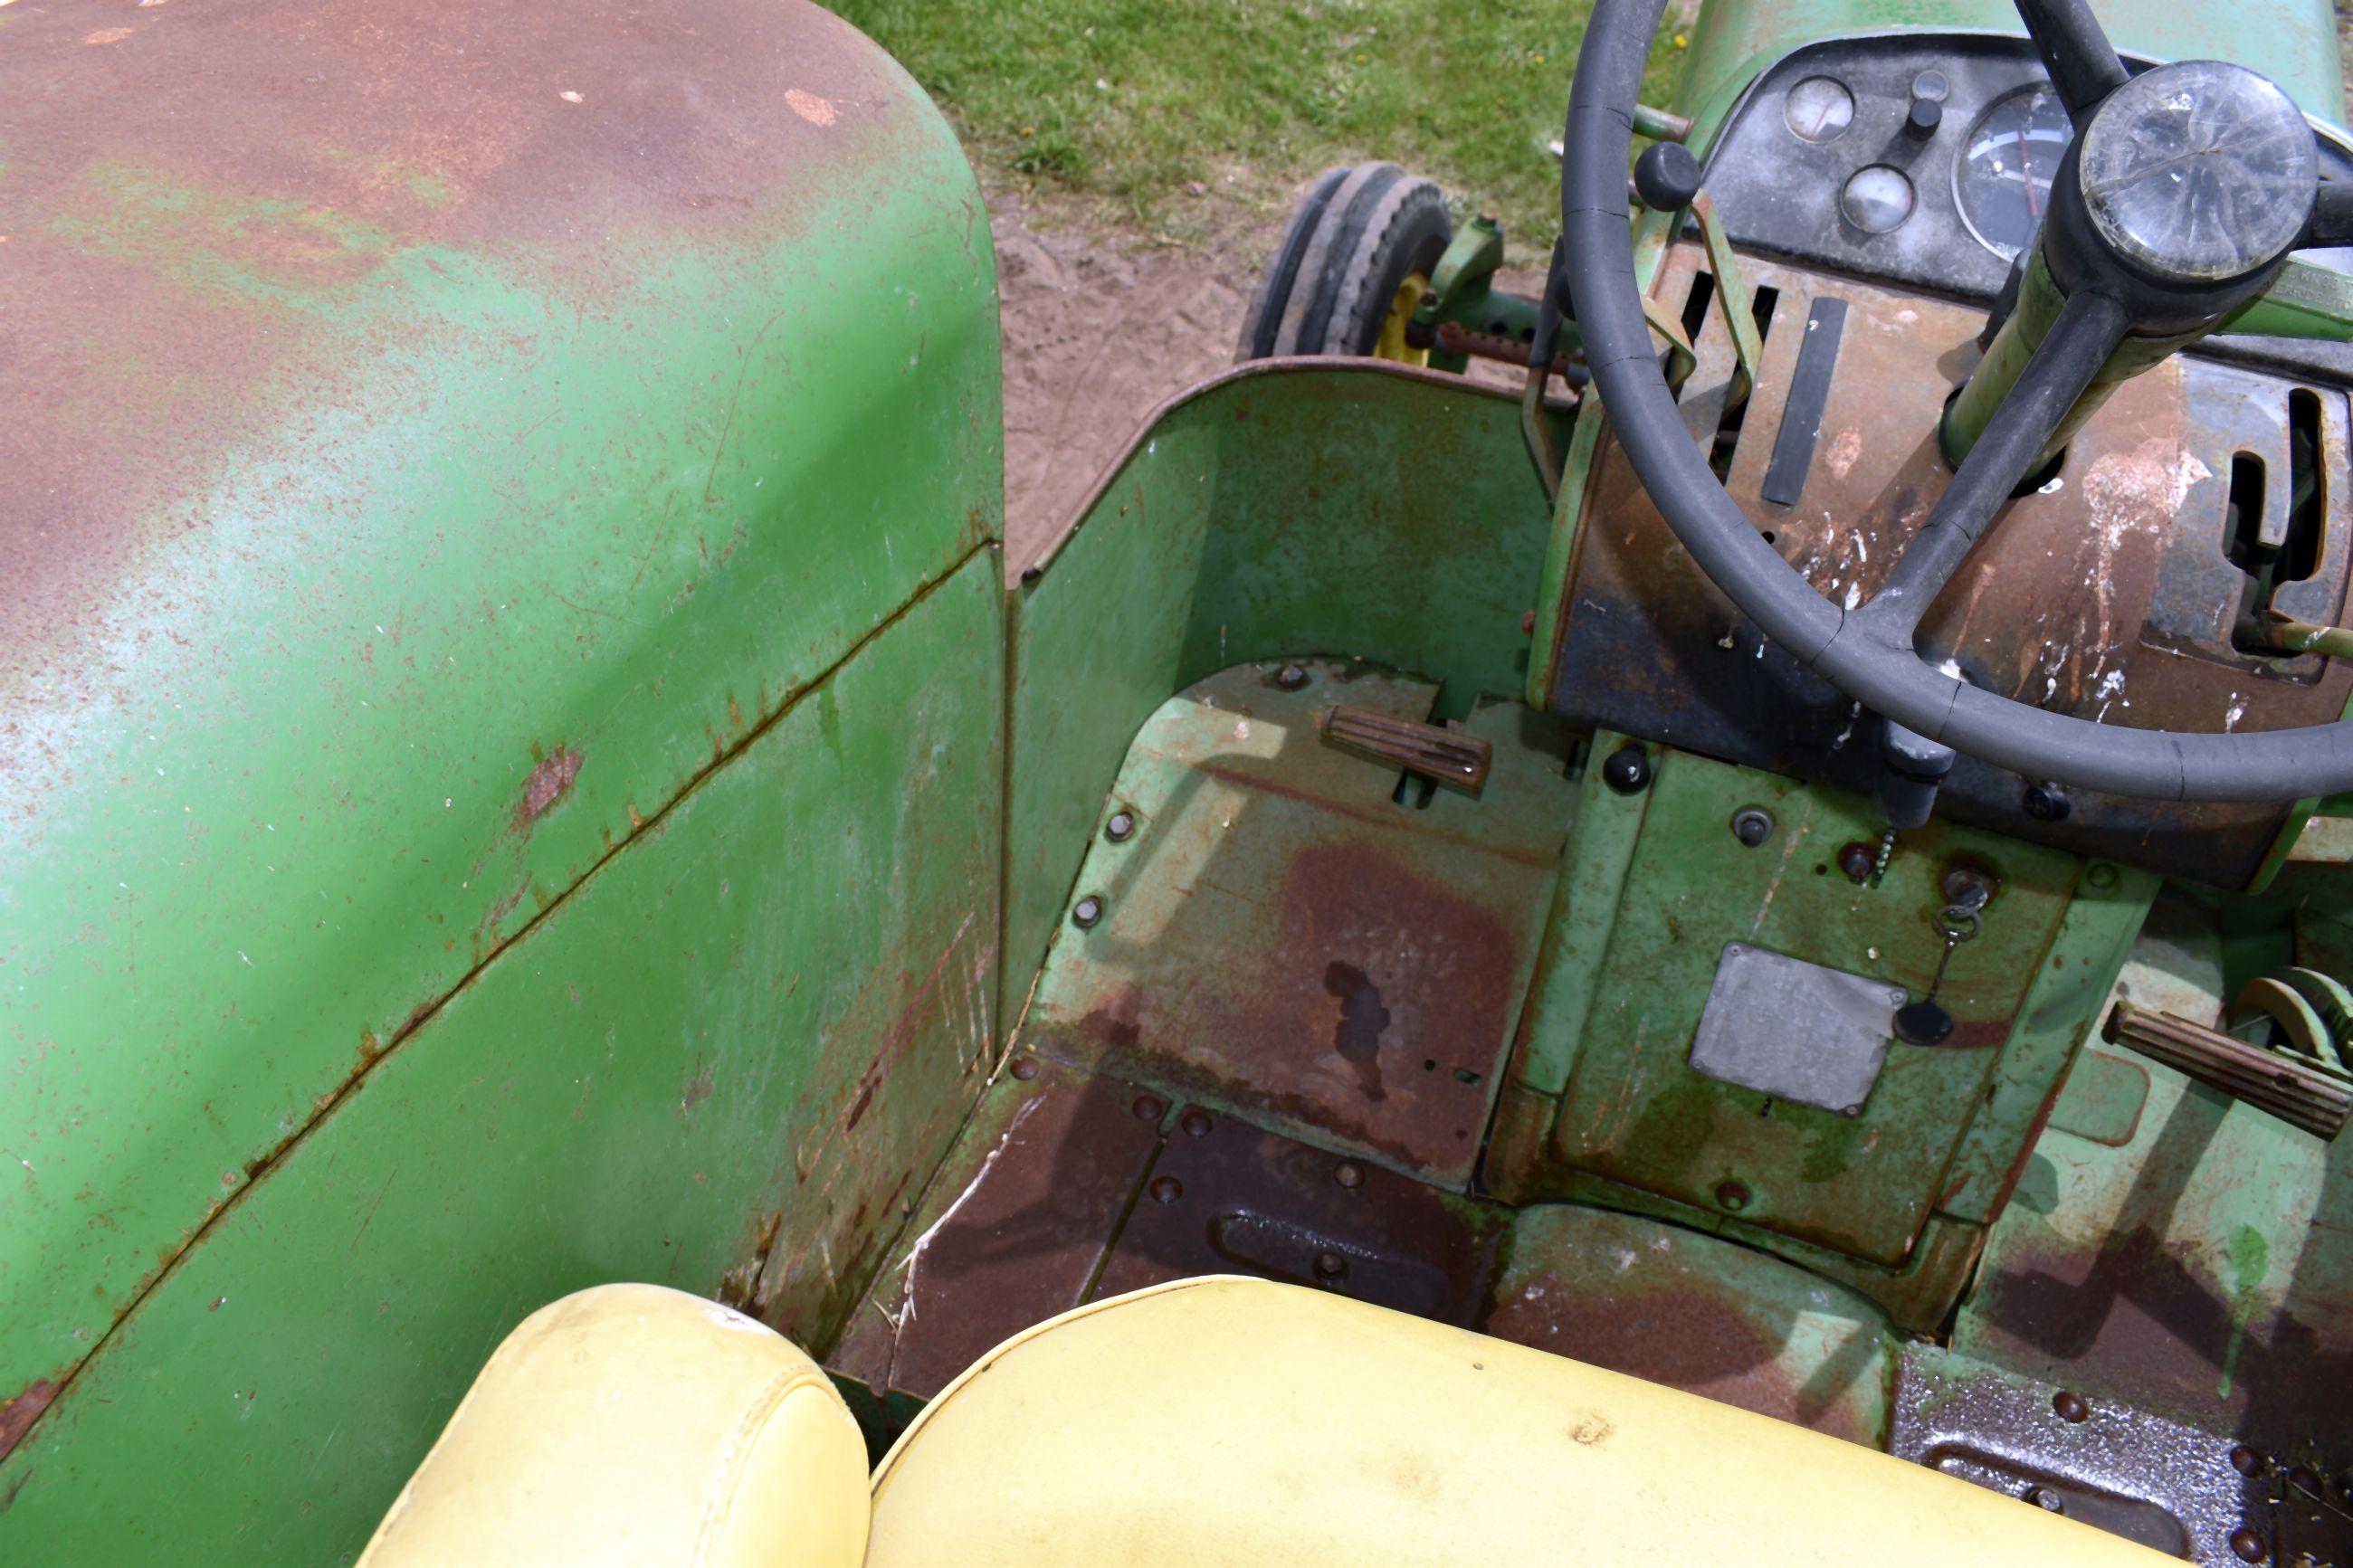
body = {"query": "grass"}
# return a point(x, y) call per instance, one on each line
point(1145, 104)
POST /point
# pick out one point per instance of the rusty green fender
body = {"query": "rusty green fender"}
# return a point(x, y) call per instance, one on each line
point(435, 457)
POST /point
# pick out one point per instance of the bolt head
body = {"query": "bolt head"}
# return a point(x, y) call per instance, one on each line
point(1626, 770)
point(1856, 860)
point(1331, 1266)
point(1166, 1190)
point(2046, 1500)
point(1291, 676)
point(1348, 1174)
point(2047, 802)
point(1752, 825)
point(1733, 1195)
point(1120, 828)
point(1971, 886)
point(1086, 912)
point(2070, 1405)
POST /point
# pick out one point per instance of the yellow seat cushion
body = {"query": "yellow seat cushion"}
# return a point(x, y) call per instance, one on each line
point(635, 1425)
point(1233, 1421)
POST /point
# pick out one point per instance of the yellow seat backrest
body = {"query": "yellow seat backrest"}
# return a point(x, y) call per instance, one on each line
point(634, 1425)
point(1209, 1421)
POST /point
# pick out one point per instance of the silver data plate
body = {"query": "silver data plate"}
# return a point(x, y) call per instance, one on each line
point(1795, 1030)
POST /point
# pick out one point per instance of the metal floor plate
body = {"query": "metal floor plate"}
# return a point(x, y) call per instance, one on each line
point(1289, 935)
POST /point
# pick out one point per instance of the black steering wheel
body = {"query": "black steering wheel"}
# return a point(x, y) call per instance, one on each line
point(2139, 257)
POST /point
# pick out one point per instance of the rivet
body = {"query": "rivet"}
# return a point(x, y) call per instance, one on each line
point(2070, 1405)
point(2046, 1500)
point(1148, 1107)
point(1331, 1265)
point(1196, 1124)
point(1025, 1068)
point(1731, 1195)
point(2246, 1461)
point(1752, 825)
point(1168, 1190)
point(1291, 676)
point(2100, 876)
point(1120, 828)
point(1088, 910)
point(1348, 1174)
point(2250, 1546)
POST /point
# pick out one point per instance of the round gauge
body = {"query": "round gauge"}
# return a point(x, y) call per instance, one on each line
point(1818, 108)
point(2003, 179)
point(1876, 199)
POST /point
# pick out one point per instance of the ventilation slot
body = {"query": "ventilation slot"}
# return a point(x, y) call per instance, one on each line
point(2242, 525)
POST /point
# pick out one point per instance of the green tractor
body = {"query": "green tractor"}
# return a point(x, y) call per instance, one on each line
point(1739, 954)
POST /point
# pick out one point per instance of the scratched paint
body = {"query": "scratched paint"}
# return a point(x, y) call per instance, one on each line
point(449, 459)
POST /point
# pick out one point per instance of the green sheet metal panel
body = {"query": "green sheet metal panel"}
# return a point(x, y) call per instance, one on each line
point(740, 1045)
point(1637, 1112)
point(1287, 508)
point(432, 443)
point(2294, 42)
point(1283, 938)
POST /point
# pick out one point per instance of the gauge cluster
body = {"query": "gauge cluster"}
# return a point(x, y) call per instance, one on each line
point(1918, 158)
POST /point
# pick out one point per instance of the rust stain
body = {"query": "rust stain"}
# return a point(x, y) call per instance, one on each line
point(17, 1416)
point(184, 307)
point(547, 783)
point(903, 1030)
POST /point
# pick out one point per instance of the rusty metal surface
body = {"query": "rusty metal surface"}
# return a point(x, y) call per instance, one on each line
point(1226, 1198)
point(1289, 935)
point(1656, 1302)
point(2063, 608)
point(2170, 1487)
point(1013, 1229)
point(201, 200)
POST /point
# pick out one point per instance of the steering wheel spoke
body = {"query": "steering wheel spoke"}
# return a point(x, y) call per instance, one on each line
point(2062, 368)
point(2076, 51)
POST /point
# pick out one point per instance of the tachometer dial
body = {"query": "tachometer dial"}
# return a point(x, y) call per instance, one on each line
point(2004, 180)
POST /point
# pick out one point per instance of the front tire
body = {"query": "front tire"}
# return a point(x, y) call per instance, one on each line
point(1351, 268)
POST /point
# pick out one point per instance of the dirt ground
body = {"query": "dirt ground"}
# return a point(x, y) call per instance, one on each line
point(1099, 329)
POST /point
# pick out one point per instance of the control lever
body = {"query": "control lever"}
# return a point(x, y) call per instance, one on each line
point(2305, 1097)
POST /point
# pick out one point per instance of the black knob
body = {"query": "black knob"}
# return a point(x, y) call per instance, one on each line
point(1929, 91)
point(1666, 177)
point(1626, 770)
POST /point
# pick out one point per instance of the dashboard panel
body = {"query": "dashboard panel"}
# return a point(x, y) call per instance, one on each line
point(1921, 158)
